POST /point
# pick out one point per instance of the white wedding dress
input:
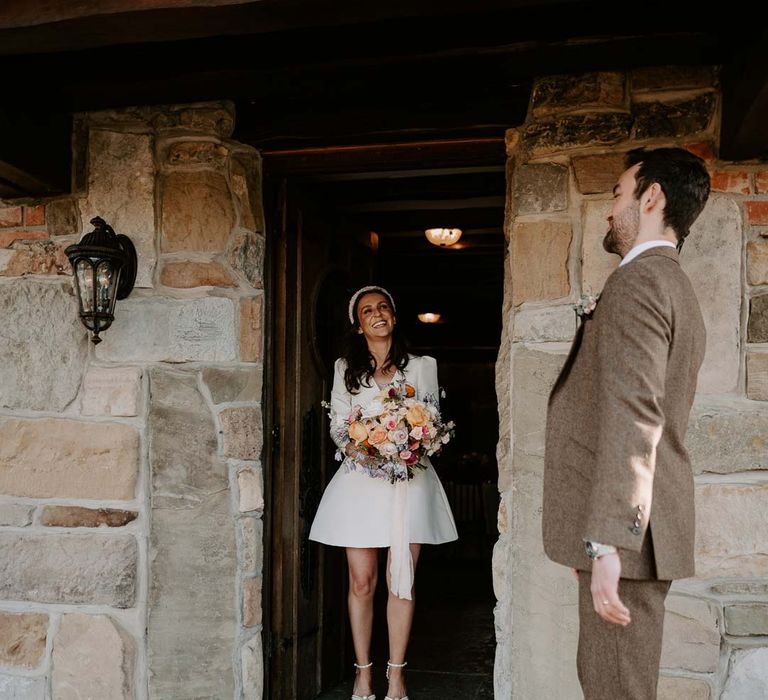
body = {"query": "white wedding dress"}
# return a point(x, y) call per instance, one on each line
point(357, 510)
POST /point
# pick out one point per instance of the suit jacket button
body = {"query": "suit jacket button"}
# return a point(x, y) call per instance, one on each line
point(635, 530)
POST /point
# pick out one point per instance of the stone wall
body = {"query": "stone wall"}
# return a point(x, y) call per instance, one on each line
point(130, 475)
point(563, 163)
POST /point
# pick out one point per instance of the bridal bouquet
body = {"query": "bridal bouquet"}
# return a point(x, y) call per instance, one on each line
point(393, 433)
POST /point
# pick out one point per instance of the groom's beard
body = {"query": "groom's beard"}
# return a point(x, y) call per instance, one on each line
point(623, 232)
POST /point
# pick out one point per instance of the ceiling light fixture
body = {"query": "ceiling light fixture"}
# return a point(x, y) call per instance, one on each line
point(443, 237)
point(430, 318)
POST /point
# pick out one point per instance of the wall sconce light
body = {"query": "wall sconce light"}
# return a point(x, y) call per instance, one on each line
point(430, 318)
point(443, 237)
point(104, 265)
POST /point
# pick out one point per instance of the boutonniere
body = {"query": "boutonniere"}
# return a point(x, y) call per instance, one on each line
point(585, 307)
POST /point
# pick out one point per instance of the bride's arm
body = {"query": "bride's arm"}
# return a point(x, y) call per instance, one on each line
point(429, 383)
point(341, 407)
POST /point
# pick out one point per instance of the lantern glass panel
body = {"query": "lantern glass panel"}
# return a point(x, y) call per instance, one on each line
point(85, 285)
point(105, 286)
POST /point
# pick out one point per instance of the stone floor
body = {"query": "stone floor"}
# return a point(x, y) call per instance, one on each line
point(452, 643)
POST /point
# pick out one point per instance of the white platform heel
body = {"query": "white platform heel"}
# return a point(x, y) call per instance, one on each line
point(391, 665)
point(364, 697)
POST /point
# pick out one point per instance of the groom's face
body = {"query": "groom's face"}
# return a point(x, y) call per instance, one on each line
point(624, 216)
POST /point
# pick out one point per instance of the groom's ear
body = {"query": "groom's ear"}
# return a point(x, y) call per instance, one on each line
point(653, 198)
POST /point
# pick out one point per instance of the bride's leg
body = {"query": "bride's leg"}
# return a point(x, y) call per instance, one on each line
point(399, 620)
point(362, 584)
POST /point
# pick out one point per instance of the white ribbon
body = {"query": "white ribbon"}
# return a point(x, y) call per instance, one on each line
point(401, 566)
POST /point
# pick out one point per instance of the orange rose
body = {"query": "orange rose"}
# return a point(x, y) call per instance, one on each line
point(417, 415)
point(378, 435)
point(358, 432)
point(410, 392)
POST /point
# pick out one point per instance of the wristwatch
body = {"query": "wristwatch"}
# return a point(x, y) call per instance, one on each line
point(595, 550)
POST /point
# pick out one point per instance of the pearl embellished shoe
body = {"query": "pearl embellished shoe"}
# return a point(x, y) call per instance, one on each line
point(391, 665)
point(363, 697)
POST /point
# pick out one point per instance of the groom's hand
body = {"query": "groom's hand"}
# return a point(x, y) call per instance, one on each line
point(606, 572)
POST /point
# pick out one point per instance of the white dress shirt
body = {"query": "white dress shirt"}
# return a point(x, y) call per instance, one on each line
point(632, 254)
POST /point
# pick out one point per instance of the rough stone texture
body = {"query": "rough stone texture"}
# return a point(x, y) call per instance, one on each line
point(251, 487)
point(748, 677)
point(19, 688)
point(168, 330)
point(34, 215)
point(197, 153)
point(43, 345)
point(757, 262)
point(252, 601)
point(197, 212)
point(51, 458)
point(253, 670)
point(757, 328)
point(733, 181)
point(691, 635)
point(673, 119)
point(64, 217)
point(545, 324)
point(242, 428)
point(757, 213)
point(757, 376)
point(246, 184)
point(10, 216)
point(36, 258)
point(111, 391)
point(92, 658)
point(192, 547)
point(9, 237)
point(251, 534)
point(540, 260)
point(597, 265)
point(15, 515)
point(251, 325)
point(731, 530)
point(185, 275)
point(596, 174)
point(208, 119)
point(659, 78)
point(761, 182)
point(727, 438)
point(541, 187)
point(22, 638)
point(682, 689)
point(746, 619)
point(575, 130)
point(75, 516)
point(712, 258)
point(121, 189)
point(228, 385)
point(70, 568)
point(246, 255)
point(567, 92)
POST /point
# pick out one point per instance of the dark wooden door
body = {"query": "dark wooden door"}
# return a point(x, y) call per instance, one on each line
point(315, 268)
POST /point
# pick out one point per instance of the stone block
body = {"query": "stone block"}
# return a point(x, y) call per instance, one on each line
point(43, 347)
point(229, 385)
point(559, 93)
point(51, 458)
point(64, 217)
point(712, 258)
point(10, 217)
point(541, 187)
point(121, 190)
point(15, 515)
point(748, 676)
point(246, 255)
point(596, 264)
point(757, 213)
point(7, 238)
point(34, 215)
point(185, 275)
point(93, 569)
point(251, 544)
point(576, 130)
point(757, 262)
point(731, 530)
point(36, 258)
point(250, 483)
point(111, 391)
point(251, 659)
point(761, 182)
point(22, 639)
point(243, 432)
point(92, 658)
point(731, 181)
point(757, 327)
point(673, 119)
point(169, 330)
point(217, 120)
point(659, 78)
point(598, 173)
point(22, 688)
point(746, 619)
point(251, 329)
point(556, 323)
point(252, 601)
point(197, 212)
point(671, 688)
point(75, 516)
point(691, 635)
point(208, 153)
point(540, 260)
point(757, 376)
point(246, 184)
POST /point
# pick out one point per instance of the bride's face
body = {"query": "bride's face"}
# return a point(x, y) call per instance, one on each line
point(375, 316)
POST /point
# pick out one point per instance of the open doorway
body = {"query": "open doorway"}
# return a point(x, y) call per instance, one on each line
point(343, 225)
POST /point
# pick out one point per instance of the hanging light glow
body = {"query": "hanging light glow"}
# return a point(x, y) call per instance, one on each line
point(430, 318)
point(443, 237)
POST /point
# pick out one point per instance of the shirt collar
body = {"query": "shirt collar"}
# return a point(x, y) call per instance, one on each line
point(632, 254)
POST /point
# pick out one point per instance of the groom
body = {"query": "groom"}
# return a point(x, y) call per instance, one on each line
point(618, 485)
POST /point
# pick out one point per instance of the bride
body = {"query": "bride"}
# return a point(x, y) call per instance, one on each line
point(363, 513)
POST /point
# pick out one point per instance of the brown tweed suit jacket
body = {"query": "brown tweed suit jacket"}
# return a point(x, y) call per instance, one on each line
point(615, 468)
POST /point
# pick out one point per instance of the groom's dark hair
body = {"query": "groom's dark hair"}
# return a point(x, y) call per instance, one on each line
point(683, 178)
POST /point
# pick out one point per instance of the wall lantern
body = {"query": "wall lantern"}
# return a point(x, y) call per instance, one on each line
point(443, 237)
point(104, 265)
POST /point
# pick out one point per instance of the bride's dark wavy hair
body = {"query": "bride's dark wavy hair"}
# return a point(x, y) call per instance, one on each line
point(361, 364)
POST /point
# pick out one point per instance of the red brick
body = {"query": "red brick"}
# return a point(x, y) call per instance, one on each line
point(704, 150)
point(761, 182)
point(736, 182)
point(34, 216)
point(757, 213)
point(10, 216)
point(8, 237)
